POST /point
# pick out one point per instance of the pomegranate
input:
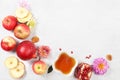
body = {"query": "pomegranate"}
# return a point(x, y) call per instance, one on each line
point(26, 50)
point(83, 71)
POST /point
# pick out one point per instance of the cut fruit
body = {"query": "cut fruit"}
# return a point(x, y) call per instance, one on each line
point(25, 19)
point(83, 71)
point(18, 72)
point(21, 12)
point(11, 62)
point(31, 23)
point(21, 65)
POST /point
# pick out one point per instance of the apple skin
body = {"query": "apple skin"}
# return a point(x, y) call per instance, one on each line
point(9, 22)
point(26, 50)
point(21, 31)
point(8, 43)
point(39, 67)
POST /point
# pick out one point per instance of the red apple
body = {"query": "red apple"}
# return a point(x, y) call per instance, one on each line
point(21, 31)
point(9, 22)
point(8, 43)
point(26, 50)
point(44, 51)
point(39, 67)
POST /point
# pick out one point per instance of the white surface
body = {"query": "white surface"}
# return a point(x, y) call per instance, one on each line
point(83, 26)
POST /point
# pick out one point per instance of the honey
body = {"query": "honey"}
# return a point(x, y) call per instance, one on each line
point(65, 63)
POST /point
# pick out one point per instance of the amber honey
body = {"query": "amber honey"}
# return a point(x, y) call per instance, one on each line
point(65, 63)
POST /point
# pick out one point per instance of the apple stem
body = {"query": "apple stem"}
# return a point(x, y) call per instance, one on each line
point(39, 58)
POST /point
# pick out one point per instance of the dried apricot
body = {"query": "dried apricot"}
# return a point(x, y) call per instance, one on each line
point(109, 57)
point(35, 39)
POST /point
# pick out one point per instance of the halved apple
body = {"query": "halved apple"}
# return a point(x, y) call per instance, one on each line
point(25, 19)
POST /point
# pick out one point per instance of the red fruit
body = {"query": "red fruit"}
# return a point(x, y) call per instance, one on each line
point(8, 43)
point(9, 22)
point(21, 31)
point(26, 50)
point(39, 67)
point(83, 71)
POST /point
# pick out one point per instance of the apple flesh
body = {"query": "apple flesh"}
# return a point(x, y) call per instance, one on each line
point(39, 67)
point(9, 22)
point(8, 43)
point(21, 31)
point(26, 50)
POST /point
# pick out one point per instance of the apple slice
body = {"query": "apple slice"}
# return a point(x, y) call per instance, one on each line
point(21, 12)
point(18, 72)
point(11, 62)
point(31, 23)
point(21, 65)
point(25, 19)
